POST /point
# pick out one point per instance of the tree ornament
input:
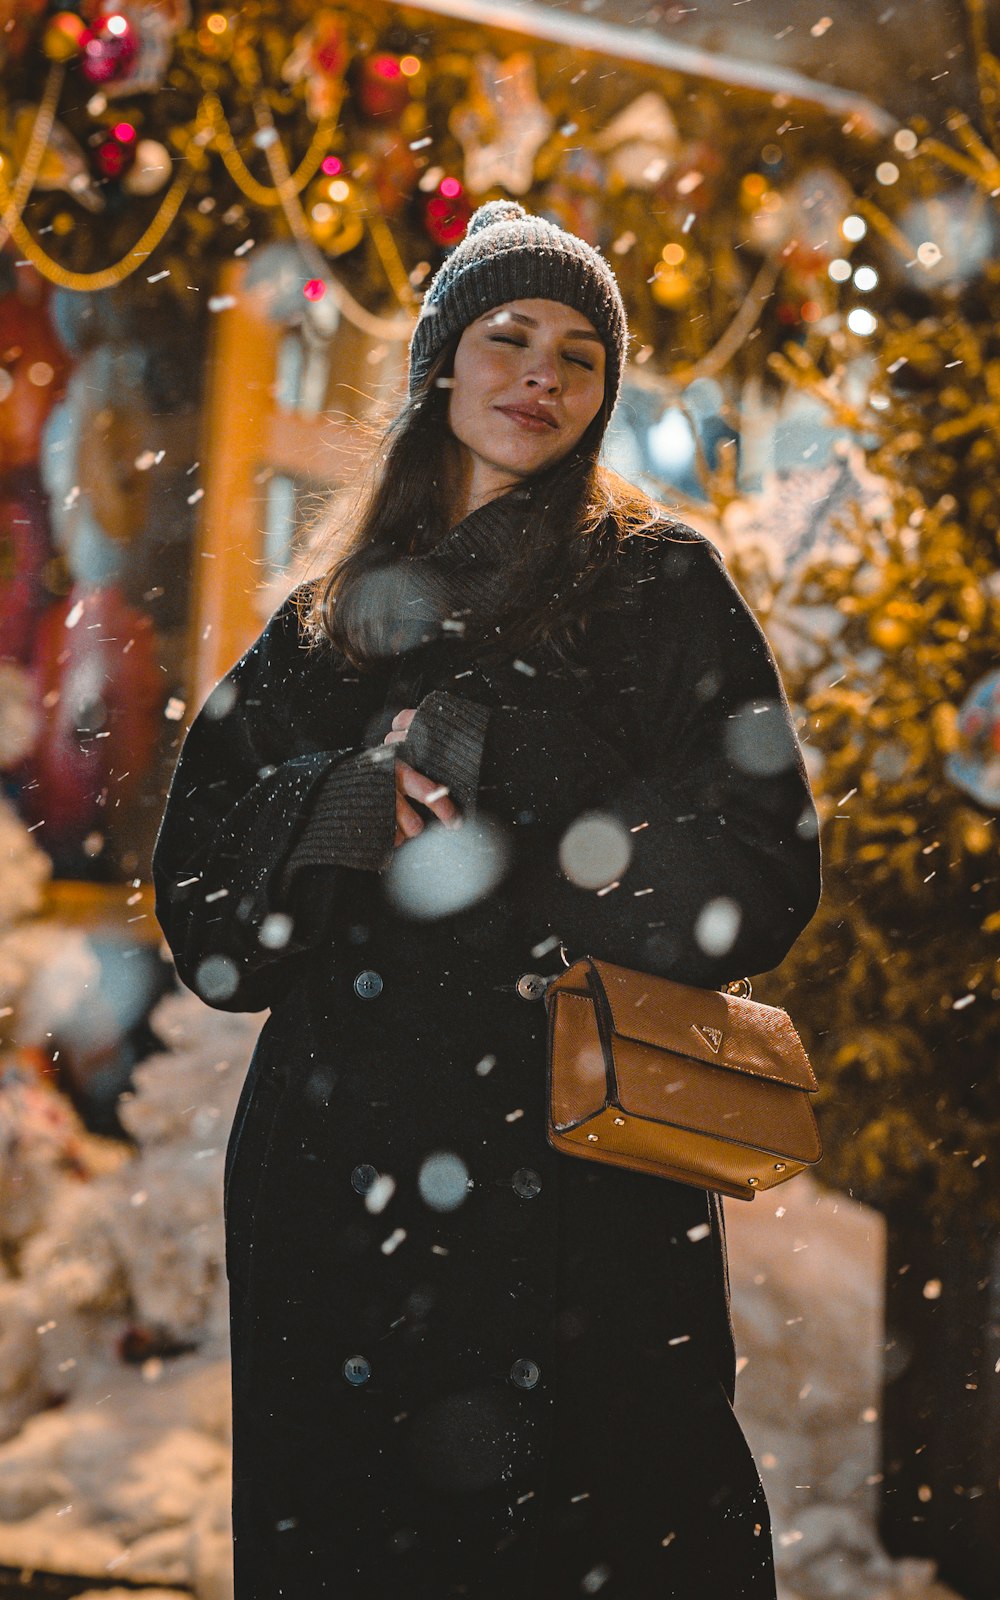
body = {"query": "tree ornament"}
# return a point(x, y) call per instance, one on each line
point(63, 36)
point(672, 283)
point(502, 125)
point(319, 58)
point(108, 47)
point(640, 144)
point(63, 165)
point(975, 766)
point(818, 201)
point(447, 213)
point(953, 234)
point(25, 549)
point(114, 154)
point(692, 184)
point(35, 367)
point(88, 685)
point(384, 89)
point(151, 169)
point(335, 210)
point(394, 170)
point(151, 27)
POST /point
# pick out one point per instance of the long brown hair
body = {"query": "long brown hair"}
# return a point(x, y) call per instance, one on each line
point(402, 510)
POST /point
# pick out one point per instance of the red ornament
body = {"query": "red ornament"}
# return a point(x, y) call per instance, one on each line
point(25, 548)
point(114, 156)
point(97, 672)
point(315, 289)
point(108, 49)
point(394, 170)
point(447, 213)
point(33, 372)
point(383, 87)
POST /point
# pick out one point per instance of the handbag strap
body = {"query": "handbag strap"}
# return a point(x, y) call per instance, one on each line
point(741, 987)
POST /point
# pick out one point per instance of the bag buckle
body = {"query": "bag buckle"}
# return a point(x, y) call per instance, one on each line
point(742, 988)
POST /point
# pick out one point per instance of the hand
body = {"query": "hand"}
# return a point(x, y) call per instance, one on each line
point(413, 783)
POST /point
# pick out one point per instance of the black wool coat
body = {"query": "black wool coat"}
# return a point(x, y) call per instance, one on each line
point(465, 1363)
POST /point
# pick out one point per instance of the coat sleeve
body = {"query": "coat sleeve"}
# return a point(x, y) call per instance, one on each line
point(692, 852)
point(260, 838)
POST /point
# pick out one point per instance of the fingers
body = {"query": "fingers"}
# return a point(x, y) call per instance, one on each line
point(400, 723)
point(433, 795)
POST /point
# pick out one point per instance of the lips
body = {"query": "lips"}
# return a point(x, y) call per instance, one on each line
point(530, 417)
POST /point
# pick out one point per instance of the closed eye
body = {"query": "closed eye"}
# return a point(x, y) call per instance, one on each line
point(522, 344)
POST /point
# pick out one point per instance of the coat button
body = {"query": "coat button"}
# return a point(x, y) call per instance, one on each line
point(357, 1369)
point(531, 985)
point(368, 984)
point(363, 1177)
point(525, 1373)
point(526, 1183)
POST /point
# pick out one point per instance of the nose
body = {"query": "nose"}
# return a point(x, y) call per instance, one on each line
point(544, 374)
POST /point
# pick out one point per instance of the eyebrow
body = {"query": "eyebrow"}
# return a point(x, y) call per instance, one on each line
point(529, 322)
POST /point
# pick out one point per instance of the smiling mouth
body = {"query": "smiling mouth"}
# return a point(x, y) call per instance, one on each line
point(535, 420)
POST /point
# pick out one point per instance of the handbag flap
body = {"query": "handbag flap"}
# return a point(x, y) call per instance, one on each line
point(722, 1030)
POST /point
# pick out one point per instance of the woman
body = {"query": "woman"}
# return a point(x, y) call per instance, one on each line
point(462, 1363)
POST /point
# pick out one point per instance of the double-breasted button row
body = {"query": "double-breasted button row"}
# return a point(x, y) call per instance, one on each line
point(368, 984)
point(525, 1373)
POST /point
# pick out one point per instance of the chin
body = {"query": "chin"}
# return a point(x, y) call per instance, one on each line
point(526, 464)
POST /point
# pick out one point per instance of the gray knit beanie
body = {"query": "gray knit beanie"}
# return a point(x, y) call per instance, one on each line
point(508, 255)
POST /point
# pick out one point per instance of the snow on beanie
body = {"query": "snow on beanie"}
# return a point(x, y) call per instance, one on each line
point(509, 255)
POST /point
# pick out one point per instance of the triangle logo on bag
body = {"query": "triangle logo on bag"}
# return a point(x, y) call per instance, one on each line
point(711, 1036)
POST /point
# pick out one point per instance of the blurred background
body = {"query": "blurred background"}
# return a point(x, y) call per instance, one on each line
point(215, 228)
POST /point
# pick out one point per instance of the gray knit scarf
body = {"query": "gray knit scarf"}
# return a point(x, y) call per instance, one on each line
point(499, 554)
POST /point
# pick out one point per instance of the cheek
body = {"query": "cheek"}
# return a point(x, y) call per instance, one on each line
point(587, 404)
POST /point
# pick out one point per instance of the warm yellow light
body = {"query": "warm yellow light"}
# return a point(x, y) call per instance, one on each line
point(216, 23)
point(409, 66)
point(754, 184)
point(339, 190)
point(673, 254)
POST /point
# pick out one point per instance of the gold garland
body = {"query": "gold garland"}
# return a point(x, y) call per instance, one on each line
point(388, 254)
point(107, 277)
point(34, 155)
point(212, 114)
point(13, 201)
point(397, 329)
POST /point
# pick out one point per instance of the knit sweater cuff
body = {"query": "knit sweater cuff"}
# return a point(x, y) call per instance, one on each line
point(352, 817)
point(445, 742)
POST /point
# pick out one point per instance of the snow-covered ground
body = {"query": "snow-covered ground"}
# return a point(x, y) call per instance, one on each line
point(130, 1475)
point(806, 1265)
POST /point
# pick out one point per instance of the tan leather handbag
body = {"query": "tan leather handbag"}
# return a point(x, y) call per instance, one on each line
point(702, 1086)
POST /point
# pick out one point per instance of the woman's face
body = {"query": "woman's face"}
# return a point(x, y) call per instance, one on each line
point(528, 381)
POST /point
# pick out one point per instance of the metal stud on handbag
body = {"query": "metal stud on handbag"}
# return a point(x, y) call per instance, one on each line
point(702, 1086)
